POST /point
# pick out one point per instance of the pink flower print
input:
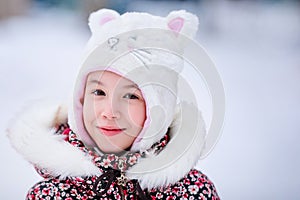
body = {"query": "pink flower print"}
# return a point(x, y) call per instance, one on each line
point(185, 196)
point(74, 191)
point(202, 179)
point(202, 197)
point(84, 197)
point(170, 197)
point(208, 189)
point(193, 189)
point(57, 194)
point(111, 157)
point(194, 172)
point(63, 186)
point(167, 190)
point(159, 196)
point(110, 190)
point(176, 191)
point(186, 181)
point(106, 163)
point(55, 181)
point(199, 184)
point(36, 190)
point(47, 191)
point(79, 179)
point(118, 196)
point(183, 190)
point(132, 160)
point(31, 196)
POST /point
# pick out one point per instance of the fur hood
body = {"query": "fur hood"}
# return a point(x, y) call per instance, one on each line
point(32, 134)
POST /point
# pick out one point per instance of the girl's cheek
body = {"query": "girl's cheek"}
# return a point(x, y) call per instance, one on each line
point(91, 107)
point(96, 107)
point(137, 115)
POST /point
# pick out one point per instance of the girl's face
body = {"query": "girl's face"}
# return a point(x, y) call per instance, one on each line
point(114, 111)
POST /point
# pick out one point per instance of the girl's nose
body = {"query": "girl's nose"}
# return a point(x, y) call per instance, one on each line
point(110, 115)
point(110, 112)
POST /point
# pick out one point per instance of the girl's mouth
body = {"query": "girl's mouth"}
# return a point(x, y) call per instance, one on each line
point(111, 131)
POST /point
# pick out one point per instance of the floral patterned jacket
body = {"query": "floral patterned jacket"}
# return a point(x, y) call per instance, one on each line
point(70, 170)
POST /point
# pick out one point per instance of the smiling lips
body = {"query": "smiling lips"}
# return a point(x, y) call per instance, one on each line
point(111, 131)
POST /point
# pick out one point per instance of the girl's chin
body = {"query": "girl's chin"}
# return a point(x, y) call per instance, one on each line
point(113, 150)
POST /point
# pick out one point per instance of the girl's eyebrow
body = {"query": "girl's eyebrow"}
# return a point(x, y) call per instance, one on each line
point(124, 86)
point(131, 86)
point(95, 81)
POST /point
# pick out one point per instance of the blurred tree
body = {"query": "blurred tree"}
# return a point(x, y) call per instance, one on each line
point(70, 4)
point(10, 8)
point(89, 6)
point(93, 5)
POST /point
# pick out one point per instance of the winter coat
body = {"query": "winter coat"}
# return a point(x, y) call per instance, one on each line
point(70, 170)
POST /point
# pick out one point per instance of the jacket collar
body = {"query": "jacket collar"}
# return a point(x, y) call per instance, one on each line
point(33, 134)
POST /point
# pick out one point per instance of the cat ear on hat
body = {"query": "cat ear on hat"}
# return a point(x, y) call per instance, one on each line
point(183, 22)
point(101, 17)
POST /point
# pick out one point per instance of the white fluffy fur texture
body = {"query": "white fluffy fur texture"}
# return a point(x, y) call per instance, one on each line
point(179, 156)
point(32, 134)
point(136, 20)
point(106, 23)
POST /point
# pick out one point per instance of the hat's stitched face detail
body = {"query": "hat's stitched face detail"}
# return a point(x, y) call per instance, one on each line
point(112, 42)
point(114, 110)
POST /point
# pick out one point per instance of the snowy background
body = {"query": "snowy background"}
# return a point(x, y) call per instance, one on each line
point(256, 47)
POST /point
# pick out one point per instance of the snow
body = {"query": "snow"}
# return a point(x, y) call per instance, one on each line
point(256, 49)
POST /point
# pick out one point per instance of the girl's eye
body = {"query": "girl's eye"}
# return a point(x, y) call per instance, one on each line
point(98, 93)
point(130, 96)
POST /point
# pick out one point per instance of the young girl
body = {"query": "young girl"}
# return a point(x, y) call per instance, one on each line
point(127, 136)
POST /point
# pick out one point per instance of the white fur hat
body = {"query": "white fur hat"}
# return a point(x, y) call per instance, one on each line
point(144, 48)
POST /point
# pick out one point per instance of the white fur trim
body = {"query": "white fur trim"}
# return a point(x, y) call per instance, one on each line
point(179, 156)
point(32, 135)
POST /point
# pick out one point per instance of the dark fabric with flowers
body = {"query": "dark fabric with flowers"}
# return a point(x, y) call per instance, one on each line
point(112, 184)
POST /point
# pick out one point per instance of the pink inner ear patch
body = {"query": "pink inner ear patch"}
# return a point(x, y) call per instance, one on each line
point(106, 19)
point(176, 24)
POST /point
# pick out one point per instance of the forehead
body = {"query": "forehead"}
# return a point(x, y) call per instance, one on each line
point(108, 78)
